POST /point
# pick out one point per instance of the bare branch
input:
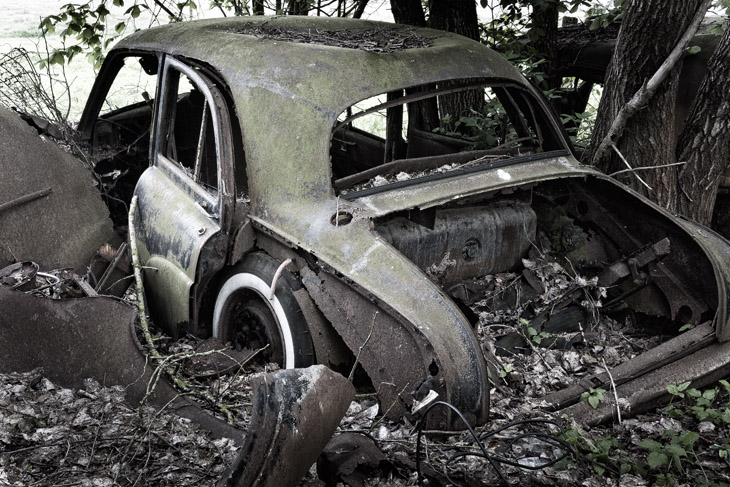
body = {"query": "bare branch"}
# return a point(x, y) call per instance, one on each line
point(640, 99)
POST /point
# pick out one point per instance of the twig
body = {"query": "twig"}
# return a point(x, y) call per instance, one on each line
point(648, 89)
point(357, 359)
point(25, 199)
point(164, 361)
point(613, 388)
point(276, 277)
point(395, 401)
point(646, 168)
point(112, 265)
point(621, 156)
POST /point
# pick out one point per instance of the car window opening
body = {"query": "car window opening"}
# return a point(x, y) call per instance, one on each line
point(120, 139)
point(433, 129)
point(190, 138)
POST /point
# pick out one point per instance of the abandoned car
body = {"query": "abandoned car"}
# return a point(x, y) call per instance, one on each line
point(336, 191)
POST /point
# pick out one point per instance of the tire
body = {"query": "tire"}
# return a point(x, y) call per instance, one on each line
point(244, 315)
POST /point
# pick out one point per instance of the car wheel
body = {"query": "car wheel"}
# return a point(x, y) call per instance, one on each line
point(244, 315)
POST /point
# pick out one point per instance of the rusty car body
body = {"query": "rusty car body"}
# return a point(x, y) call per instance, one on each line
point(257, 223)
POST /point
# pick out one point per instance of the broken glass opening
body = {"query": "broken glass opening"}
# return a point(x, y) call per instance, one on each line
point(437, 128)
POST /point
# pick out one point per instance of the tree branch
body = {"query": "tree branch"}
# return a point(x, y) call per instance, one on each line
point(640, 99)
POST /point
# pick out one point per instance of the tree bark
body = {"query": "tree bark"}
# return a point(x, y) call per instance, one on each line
point(258, 7)
point(459, 17)
point(649, 31)
point(409, 12)
point(298, 7)
point(704, 144)
point(544, 39)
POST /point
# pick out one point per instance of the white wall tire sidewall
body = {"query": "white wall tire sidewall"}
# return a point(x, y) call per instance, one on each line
point(245, 280)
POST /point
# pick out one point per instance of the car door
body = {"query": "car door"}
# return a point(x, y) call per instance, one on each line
point(185, 200)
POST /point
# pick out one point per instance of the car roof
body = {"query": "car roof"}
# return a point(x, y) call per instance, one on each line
point(287, 95)
point(331, 63)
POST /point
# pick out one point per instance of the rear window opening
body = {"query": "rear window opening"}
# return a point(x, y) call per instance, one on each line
point(433, 129)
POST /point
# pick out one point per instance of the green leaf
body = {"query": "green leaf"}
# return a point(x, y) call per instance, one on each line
point(657, 459)
point(694, 393)
point(134, 11)
point(650, 445)
point(709, 394)
point(594, 401)
point(674, 390)
point(688, 438)
point(57, 57)
point(676, 450)
point(119, 28)
point(693, 50)
point(686, 327)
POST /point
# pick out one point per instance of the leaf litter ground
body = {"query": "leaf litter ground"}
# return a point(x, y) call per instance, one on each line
point(91, 437)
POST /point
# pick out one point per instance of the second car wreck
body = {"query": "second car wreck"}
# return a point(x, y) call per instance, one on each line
point(334, 205)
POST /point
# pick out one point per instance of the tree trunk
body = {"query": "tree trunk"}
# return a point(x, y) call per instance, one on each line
point(543, 36)
point(649, 31)
point(423, 114)
point(704, 144)
point(298, 7)
point(360, 9)
point(409, 12)
point(459, 17)
point(258, 7)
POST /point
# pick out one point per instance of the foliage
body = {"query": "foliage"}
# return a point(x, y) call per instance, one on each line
point(673, 456)
point(594, 396)
point(533, 334)
point(86, 27)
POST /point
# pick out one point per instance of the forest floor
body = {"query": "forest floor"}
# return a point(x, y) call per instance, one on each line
point(50, 435)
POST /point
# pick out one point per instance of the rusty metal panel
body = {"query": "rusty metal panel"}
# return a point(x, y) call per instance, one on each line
point(65, 221)
point(397, 356)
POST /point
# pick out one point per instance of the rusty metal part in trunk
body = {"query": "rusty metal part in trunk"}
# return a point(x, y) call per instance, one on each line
point(296, 412)
point(467, 242)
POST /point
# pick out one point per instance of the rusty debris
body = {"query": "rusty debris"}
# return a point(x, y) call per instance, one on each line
point(296, 412)
point(50, 210)
point(77, 339)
